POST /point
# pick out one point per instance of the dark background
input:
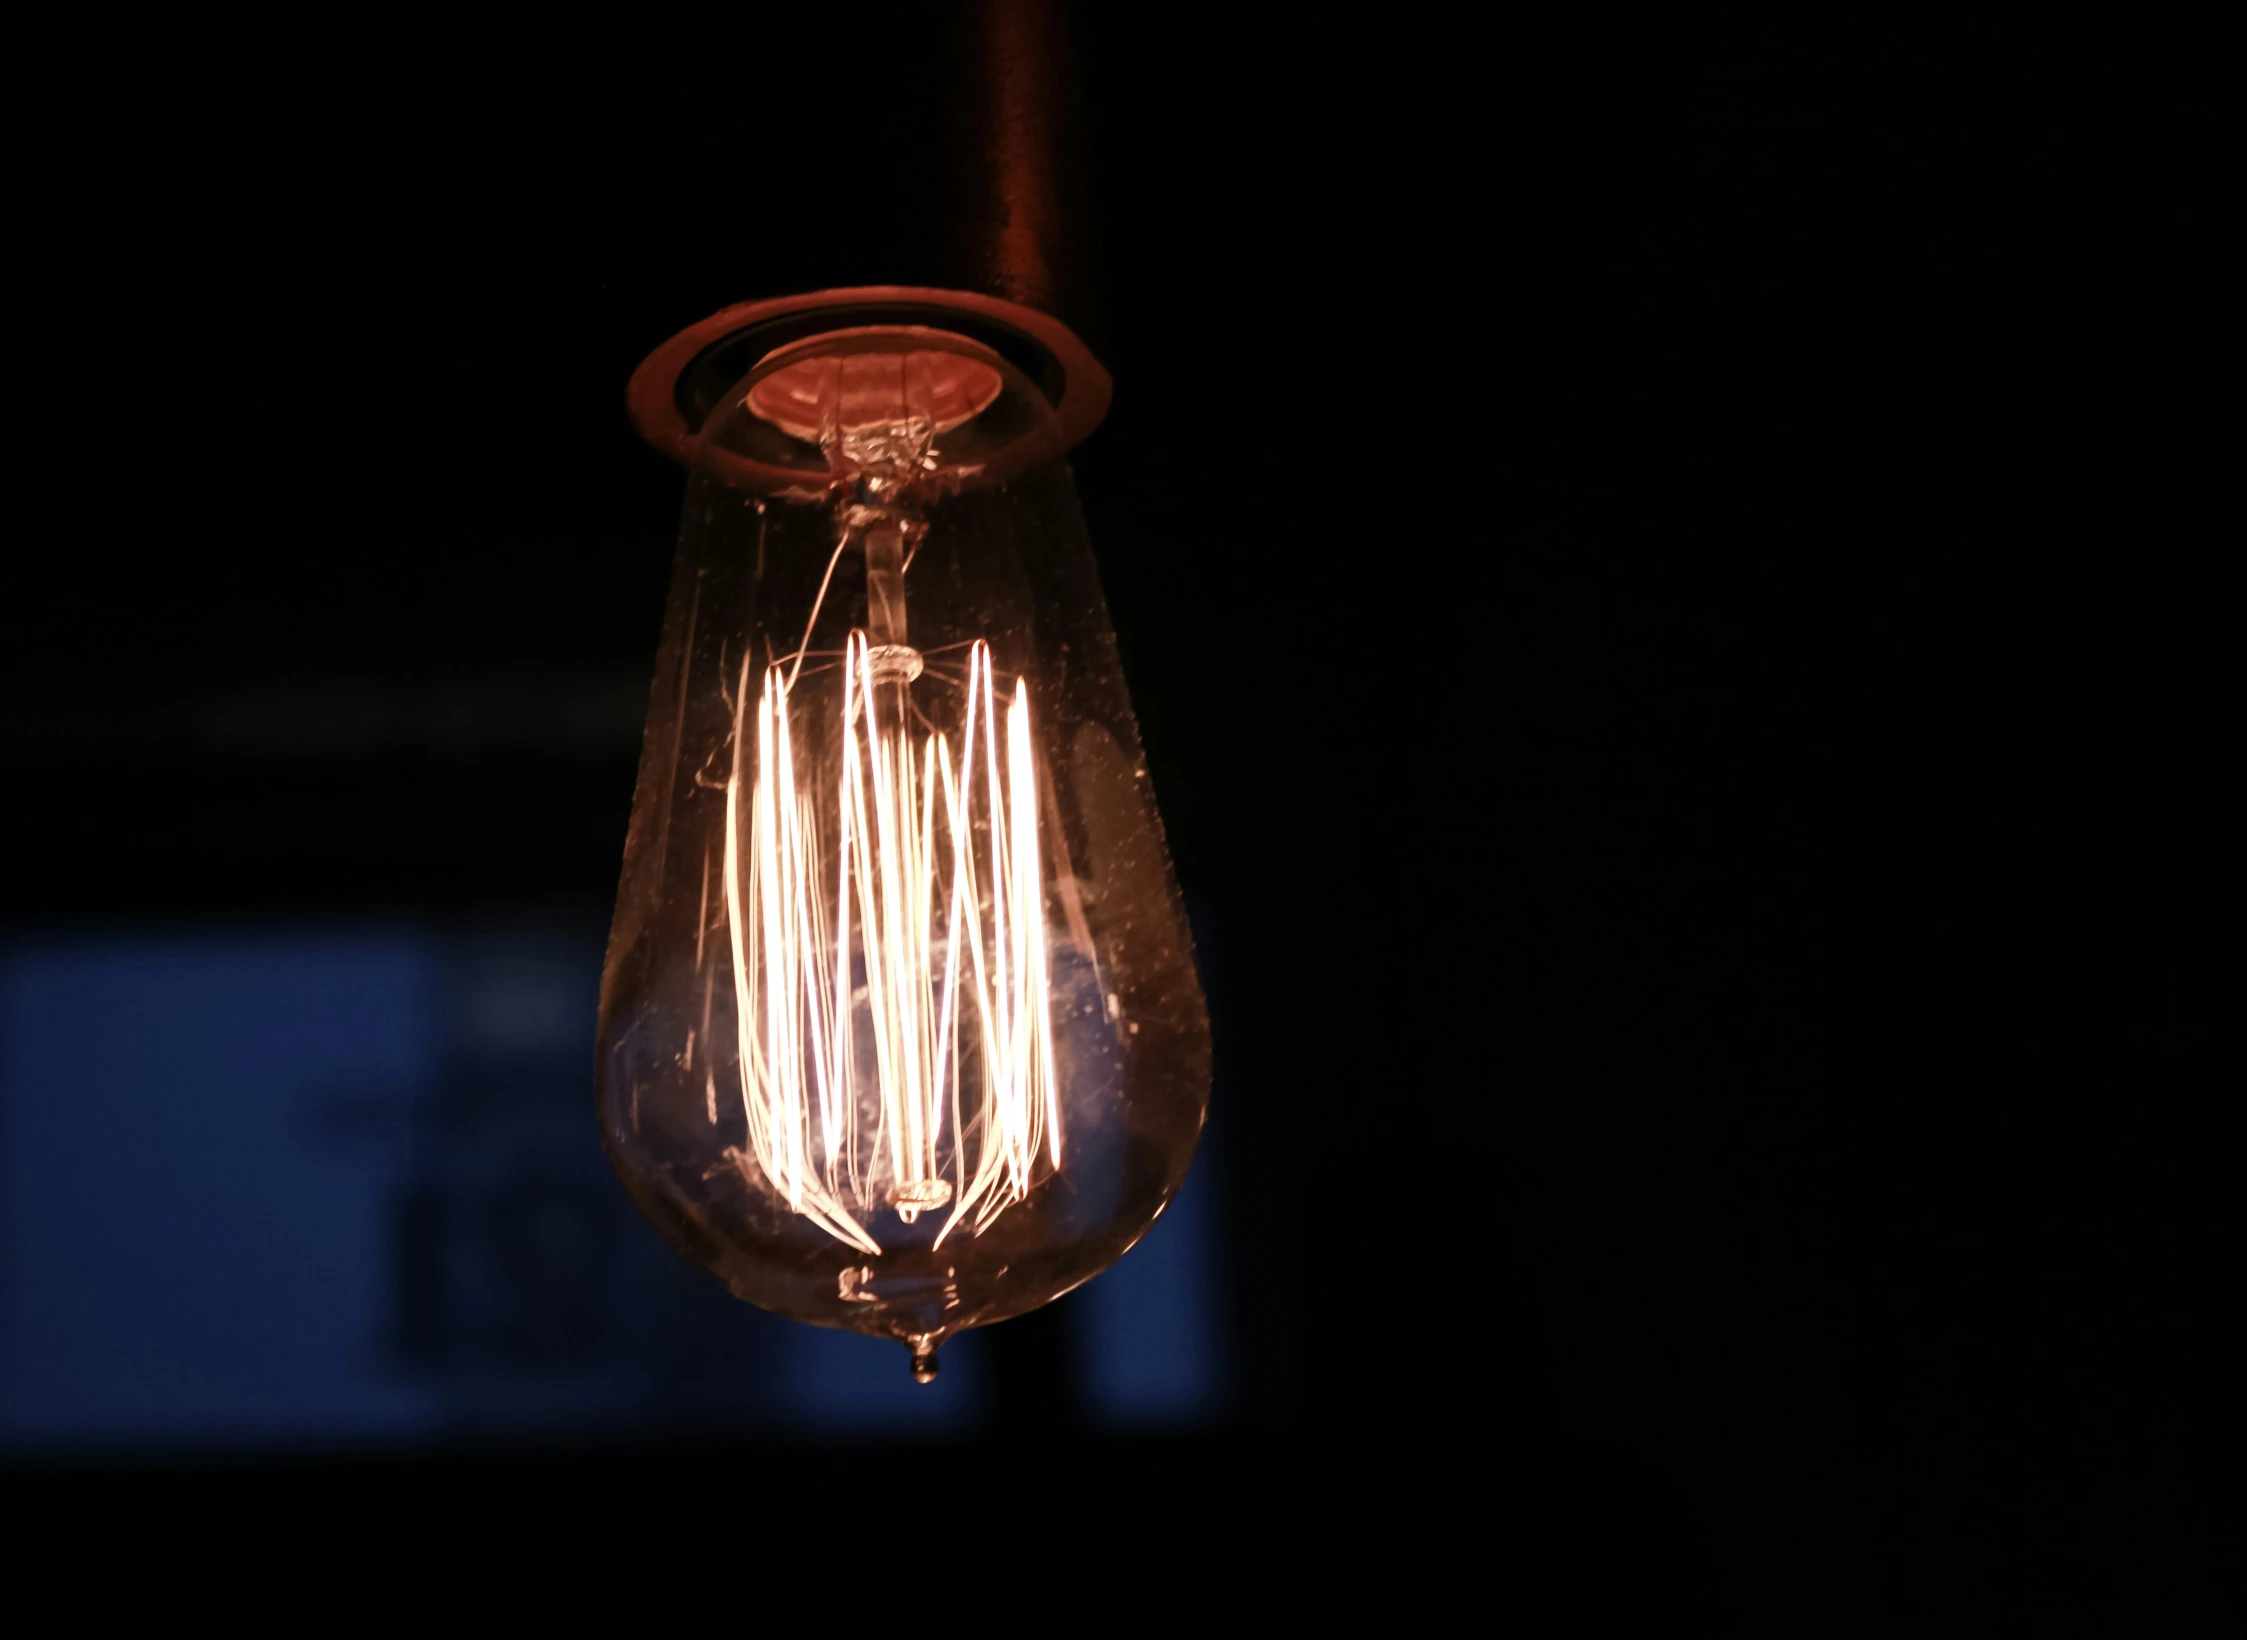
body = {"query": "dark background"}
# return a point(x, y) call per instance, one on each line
point(1680, 583)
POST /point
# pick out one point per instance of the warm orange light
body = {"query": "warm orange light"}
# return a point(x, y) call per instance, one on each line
point(951, 984)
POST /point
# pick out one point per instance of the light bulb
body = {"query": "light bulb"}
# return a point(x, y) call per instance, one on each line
point(900, 1030)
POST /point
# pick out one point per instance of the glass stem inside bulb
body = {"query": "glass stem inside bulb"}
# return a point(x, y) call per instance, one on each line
point(885, 536)
point(884, 541)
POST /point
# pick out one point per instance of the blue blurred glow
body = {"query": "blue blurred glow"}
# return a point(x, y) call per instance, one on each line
point(345, 1187)
point(186, 1255)
point(1146, 1329)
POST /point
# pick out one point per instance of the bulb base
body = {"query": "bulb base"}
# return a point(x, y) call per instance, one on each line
point(678, 385)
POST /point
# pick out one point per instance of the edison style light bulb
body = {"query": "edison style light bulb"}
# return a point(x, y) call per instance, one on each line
point(900, 1030)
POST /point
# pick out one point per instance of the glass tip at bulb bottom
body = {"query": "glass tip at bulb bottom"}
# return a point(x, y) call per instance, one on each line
point(924, 1360)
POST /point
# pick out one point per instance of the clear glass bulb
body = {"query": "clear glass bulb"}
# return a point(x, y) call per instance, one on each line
point(900, 1030)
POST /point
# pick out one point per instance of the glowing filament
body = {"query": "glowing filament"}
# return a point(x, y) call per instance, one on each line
point(889, 957)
